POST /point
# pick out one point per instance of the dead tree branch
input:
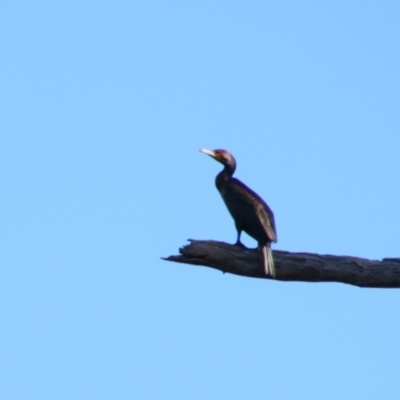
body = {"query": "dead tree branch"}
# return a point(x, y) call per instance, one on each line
point(305, 267)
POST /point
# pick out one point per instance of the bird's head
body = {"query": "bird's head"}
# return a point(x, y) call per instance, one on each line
point(222, 156)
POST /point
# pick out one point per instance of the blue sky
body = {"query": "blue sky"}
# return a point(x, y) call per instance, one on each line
point(104, 106)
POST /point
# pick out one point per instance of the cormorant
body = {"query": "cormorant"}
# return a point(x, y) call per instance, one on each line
point(249, 211)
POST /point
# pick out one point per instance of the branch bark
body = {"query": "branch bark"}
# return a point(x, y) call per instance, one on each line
point(305, 267)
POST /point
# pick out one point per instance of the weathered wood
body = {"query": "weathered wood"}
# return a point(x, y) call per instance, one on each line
point(306, 267)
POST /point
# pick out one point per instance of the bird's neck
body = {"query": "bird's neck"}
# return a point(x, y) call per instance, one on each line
point(224, 176)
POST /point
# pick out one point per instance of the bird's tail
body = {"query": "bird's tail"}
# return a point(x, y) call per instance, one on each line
point(268, 260)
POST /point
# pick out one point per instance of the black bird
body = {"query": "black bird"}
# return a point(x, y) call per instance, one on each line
point(249, 211)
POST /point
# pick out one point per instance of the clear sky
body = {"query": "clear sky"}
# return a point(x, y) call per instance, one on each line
point(104, 106)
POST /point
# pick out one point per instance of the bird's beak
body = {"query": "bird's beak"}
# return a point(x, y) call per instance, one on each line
point(209, 152)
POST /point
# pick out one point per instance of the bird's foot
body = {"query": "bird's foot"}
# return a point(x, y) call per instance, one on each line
point(240, 244)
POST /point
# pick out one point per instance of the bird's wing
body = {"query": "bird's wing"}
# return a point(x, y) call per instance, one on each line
point(249, 198)
point(268, 222)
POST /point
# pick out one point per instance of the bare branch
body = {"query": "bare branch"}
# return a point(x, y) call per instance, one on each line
point(304, 267)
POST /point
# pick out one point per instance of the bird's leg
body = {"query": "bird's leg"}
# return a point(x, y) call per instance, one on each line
point(238, 242)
